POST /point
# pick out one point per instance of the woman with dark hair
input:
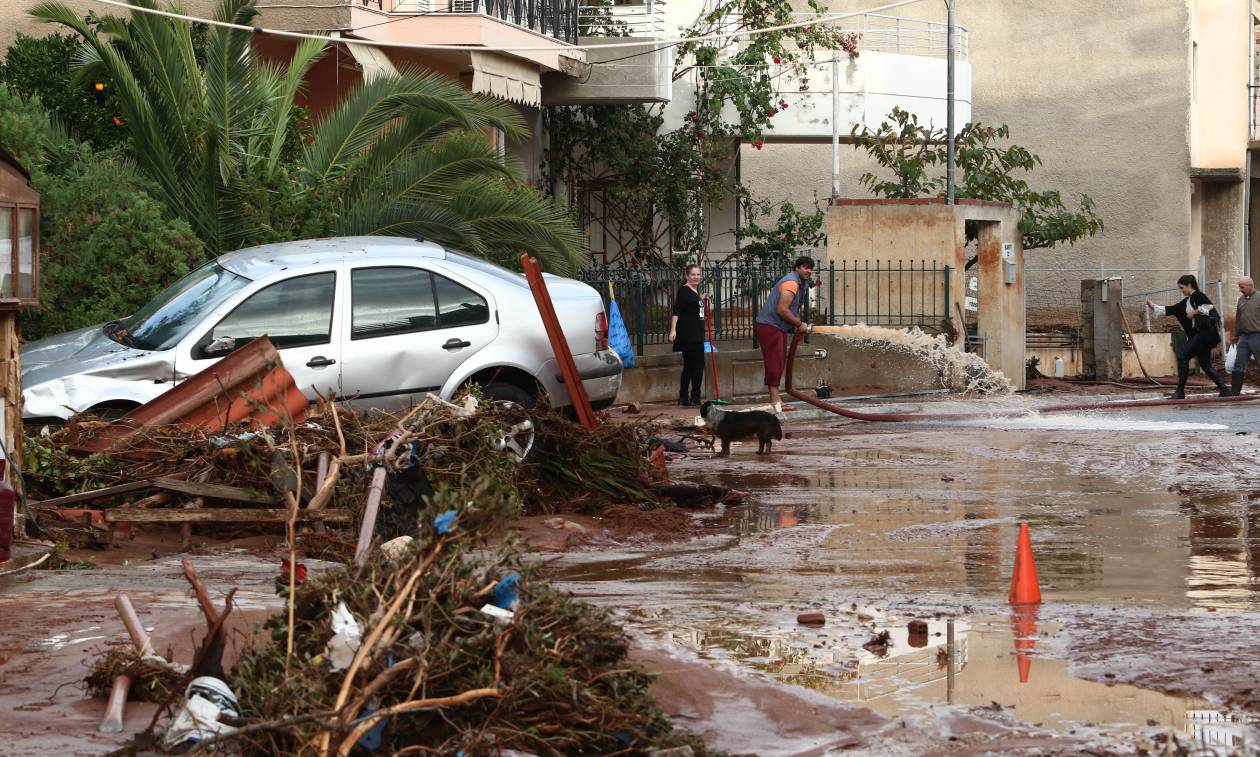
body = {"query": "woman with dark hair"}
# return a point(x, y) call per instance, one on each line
point(686, 331)
point(1200, 319)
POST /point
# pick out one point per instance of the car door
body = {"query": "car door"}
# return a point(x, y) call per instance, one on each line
point(408, 330)
point(298, 315)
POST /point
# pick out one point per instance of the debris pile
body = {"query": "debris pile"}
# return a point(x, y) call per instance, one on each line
point(236, 474)
point(430, 636)
point(453, 648)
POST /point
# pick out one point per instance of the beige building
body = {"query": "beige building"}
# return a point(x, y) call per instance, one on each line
point(1144, 105)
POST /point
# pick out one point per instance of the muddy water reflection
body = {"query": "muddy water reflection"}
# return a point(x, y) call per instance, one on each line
point(928, 518)
point(925, 522)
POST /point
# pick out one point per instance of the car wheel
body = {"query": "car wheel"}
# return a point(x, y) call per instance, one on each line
point(498, 391)
point(112, 411)
point(516, 437)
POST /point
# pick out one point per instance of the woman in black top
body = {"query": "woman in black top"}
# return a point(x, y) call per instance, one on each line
point(686, 331)
point(1199, 318)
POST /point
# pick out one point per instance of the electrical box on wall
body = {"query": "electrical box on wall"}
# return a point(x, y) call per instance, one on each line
point(1008, 263)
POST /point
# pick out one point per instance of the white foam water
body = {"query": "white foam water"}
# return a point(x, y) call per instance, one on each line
point(961, 371)
point(1067, 422)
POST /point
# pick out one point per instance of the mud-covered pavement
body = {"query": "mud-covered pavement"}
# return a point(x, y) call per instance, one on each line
point(1146, 530)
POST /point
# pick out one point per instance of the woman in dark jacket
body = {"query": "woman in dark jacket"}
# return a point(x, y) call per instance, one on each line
point(1199, 317)
point(686, 331)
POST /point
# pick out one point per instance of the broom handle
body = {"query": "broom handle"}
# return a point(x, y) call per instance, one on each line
point(708, 325)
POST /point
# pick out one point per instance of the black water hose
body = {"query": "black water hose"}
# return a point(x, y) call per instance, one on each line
point(1060, 408)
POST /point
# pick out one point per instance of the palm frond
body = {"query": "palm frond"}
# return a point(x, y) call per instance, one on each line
point(360, 118)
point(507, 220)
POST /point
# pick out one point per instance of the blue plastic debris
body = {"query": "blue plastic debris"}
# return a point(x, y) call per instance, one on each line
point(374, 738)
point(444, 521)
point(709, 347)
point(504, 595)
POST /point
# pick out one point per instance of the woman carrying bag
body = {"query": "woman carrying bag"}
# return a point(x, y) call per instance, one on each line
point(1200, 320)
point(686, 331)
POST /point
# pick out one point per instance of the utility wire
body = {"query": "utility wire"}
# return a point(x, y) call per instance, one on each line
point(830, 18)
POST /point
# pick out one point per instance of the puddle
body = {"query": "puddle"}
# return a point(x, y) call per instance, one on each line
point(1147, 549)
point(997, 672)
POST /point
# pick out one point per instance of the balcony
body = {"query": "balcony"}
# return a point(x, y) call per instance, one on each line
point(901, 63)
point(553, 18)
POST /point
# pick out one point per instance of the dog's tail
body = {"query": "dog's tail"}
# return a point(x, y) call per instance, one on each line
point(778, 428)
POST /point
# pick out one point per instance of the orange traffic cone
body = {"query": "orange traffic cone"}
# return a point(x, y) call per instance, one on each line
point(1024, 588)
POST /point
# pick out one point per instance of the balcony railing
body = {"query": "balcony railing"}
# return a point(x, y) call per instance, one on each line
point(645, 18)
point(554, 18)
point(879, 33)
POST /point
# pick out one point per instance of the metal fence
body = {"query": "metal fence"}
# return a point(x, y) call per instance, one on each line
point(891, 293)
point(554, 18)
point(1053, 295)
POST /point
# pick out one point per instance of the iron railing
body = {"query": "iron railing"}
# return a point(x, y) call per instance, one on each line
point(554, 18)
point(891, 293)
point(641, 19)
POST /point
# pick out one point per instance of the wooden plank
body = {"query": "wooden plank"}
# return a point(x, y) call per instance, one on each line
point(109, 491)
point(221, 515)
point(213, 491)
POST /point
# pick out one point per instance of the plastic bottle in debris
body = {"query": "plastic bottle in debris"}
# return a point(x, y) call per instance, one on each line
point(1058, 366)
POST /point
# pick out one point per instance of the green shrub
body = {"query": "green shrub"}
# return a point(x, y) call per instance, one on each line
point(43, 67)
point(108, 246)
point(24, 127)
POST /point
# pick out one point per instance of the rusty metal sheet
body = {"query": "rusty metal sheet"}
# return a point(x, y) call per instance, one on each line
point(249, 386)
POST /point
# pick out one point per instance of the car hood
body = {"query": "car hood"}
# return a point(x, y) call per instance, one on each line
point(79, 369)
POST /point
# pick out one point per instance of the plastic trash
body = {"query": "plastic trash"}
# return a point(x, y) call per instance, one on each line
point(396, 548)
point(504, 594)
point(619, 335)
point(498, 613)
point(1231, 357)
point(347, 636)
point(444, 521)
point(205, 700)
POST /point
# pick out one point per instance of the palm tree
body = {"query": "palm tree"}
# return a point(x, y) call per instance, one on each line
point(403, 154)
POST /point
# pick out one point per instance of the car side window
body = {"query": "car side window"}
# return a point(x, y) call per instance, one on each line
point(458, 305)
point(391, 300)
point(296, 312)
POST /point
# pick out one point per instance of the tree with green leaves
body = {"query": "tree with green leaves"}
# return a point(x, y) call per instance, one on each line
point(659, 179)
point(43, 67)
point(401, 155)
point(987, 169)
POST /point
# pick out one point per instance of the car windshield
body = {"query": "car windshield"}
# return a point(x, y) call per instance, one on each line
point(169, 317)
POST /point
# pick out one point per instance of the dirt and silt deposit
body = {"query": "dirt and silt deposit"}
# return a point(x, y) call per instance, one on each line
point(1147, 545)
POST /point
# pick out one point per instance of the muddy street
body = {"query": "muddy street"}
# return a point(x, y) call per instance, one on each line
point(1146, 533)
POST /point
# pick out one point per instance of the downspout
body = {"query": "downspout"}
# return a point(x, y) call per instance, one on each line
point(1250, 30)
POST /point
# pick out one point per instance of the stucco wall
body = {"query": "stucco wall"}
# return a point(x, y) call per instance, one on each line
point(1099, 90)
point(15, 19)
point(1219, 119)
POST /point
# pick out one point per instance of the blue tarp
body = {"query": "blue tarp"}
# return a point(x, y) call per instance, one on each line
point(618, 336)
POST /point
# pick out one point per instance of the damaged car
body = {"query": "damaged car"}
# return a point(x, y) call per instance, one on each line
point(378, 321)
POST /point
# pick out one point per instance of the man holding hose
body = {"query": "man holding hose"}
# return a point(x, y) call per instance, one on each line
point(779, 317)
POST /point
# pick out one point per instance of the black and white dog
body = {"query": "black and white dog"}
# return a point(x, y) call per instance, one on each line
point(732, 426)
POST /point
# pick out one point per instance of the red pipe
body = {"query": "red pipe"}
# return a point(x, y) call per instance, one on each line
point(910, 417)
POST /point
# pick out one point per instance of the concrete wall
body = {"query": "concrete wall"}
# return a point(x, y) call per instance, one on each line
point(15, 17)
point(924, 230)
point(848, 369)
point(1099, 90)
point(741, 375)
point(1220, 36)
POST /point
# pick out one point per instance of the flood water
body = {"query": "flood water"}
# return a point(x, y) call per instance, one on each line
point(1146, 533)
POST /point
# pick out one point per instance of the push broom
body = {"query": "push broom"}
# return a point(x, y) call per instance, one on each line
point(708, 325)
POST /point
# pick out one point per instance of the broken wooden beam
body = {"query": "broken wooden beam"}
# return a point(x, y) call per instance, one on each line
point(178, 486)
point(221, 515)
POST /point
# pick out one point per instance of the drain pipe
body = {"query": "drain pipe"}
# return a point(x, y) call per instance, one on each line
point(1071, 407)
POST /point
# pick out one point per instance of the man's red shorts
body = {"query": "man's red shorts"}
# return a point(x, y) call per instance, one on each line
point(773, 352)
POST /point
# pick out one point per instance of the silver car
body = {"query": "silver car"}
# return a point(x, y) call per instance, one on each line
point(380, 321)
